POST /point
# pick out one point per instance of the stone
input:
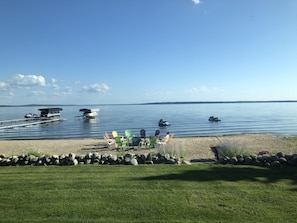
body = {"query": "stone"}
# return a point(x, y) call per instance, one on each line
point(128, 157)
point(186, 162)
point(280, 154)
point(248, 160)
point(276, 164)
point(283, 161)
point(75, 162)
point(233, 160)
point(133, 162)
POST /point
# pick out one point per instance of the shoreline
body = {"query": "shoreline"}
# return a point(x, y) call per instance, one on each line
point(195, 147)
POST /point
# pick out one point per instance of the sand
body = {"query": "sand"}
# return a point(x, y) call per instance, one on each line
point(191, 147)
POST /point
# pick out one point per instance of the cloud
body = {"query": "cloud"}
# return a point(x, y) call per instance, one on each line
point(196, 2)
point(3, 86)
point(96, 88)
point(27, 80)
point(54, 84)
point(204, 89)
point(67, 91)
point(197, 90)
point(37, 93)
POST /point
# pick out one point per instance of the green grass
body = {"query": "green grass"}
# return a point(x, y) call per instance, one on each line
point(148, 193)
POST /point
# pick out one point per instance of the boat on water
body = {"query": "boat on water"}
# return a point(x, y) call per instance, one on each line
point(47, 113)
point(214, 119)
point(163, 122)
point(90, 113)
point(31, 116)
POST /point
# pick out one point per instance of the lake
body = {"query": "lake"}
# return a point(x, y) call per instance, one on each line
point(278, 118)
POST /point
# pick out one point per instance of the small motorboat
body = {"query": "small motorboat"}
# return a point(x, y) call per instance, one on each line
point(214, 119)
point(30, 115)
point(163, 122)
point(89, 113)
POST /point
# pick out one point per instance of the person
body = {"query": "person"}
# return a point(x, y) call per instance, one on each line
point(165, 139)
point(157, 133)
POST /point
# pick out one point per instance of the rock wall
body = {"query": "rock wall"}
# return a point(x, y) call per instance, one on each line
point(90, 158)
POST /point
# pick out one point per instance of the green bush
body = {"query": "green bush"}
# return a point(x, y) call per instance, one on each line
point(232, 149)
point(34, 152)
point(174, 150)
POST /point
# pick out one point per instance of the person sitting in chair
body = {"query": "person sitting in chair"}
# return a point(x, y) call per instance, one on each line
point(164, 139)
point(157, 133)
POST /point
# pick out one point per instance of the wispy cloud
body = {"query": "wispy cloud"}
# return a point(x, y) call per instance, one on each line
point(199, 89)
point(36, 93)
point(27, 80)
point(3, 86)
point(54, 84)
point(196, 2)
point(96, 88)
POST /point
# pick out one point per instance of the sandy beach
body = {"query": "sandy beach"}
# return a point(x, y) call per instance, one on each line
point(192, 147)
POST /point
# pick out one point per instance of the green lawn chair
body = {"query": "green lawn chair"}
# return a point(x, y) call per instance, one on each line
point(128, 136)
point(151, 143)
point(120, 143)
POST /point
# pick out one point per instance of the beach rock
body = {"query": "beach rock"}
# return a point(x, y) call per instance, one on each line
point(148, 162)
point(186, 162)
point(133, 162)
point(283, 161)
point(56, 162)
point(167, 156)
point(149, 157)
point(87, 161)
point(240, 159)
point(75, 162)
point(233, 160)
point(141, 158)
point(265, 157)
point(280, 154)
point(96, 156)
point(171, 161)
point(273, 158)
point(113, 158)
point(248, 160)
point(276, 163)
point(128, 157)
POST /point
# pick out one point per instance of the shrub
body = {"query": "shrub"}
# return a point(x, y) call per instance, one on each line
point(232, 149)
point(174, 150)
point(34, 152)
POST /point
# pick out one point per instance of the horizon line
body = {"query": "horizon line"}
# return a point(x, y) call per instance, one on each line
point(155, 103)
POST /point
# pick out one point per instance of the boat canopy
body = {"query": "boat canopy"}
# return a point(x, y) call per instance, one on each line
point(47, 112)
point(50, 110)
point(89, 110)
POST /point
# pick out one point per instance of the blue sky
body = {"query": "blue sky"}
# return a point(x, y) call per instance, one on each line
point(134, 51)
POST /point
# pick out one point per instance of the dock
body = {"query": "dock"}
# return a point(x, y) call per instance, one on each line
point(17, 123)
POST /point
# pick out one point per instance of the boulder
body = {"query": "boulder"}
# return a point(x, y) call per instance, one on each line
point(133, 162)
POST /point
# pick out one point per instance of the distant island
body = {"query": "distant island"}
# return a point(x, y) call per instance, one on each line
point(219, 102)
point(154, 103)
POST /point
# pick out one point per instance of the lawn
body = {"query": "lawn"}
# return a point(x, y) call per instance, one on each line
point(148, 193)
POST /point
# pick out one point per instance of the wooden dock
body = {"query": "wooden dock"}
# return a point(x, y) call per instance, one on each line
point(16, 123)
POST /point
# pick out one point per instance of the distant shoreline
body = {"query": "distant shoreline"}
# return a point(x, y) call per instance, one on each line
point(158, 103)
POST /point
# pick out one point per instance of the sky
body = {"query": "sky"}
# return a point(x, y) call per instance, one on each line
point(141, 51)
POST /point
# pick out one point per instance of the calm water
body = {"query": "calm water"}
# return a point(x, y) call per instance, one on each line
point(185, 119)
